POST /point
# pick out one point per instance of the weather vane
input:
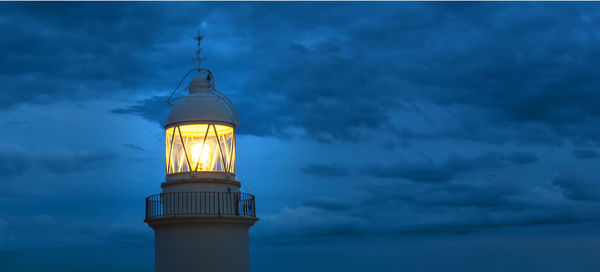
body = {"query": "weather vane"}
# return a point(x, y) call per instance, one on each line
point(198, 57)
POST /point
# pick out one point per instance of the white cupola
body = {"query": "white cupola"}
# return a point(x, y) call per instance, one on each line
point(200, 129)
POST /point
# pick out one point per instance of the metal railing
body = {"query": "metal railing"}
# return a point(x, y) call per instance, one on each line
point(200, 203)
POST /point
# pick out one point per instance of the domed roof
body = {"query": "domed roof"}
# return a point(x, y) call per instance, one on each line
point(203, 104)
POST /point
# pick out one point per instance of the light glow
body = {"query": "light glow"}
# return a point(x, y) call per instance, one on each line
point(200, 157)
point(200, 147)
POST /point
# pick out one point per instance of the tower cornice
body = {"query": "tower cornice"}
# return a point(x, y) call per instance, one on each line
point(175, 221)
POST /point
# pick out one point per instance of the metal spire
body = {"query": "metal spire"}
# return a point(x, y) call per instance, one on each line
point(198, 57)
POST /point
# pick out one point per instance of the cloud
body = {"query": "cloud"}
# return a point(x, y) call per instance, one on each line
point(432, 172)
point(17, 161)
point(484, 194)
point(585, 154)
point(134, 147)
point(328, 203)
point(41, 230)
point(463, 229)
point(125, 234)
point(522, 157)
point(397, 209)
point(520, 83)
point(13, 163)
point(389, 145)
point(68, 52)
point(9, 237)
point(323, 170)
point(462, 195)
point(305, 221)
point(418, 172)
point(576, 186)
point(154, 109)
point(337, 77)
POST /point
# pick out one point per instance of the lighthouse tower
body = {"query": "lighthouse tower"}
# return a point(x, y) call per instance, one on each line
point(201, 219)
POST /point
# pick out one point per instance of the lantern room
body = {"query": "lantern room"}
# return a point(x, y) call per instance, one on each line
point(200, 130)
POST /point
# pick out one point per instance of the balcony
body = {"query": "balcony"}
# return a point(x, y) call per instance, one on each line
point(186, 204)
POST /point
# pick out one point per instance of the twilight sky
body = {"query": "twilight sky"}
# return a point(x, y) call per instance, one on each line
point(402, 136)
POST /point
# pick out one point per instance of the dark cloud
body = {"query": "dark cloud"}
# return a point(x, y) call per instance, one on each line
point(522, 83)
point(418, 172)
point(64, 51)
point(338, 71)
point(331, 170)
point(457, 229)
point(66, 162)
point(429, 171)
point(479, 126)
point(15, 161)
point(33, 231)
point(443, 209)
point(494, 195)
point(134, 147)
point(585, 154)
point(126, 234)
point(328, 203)
point(578, 187)
point(522, 157)
point(488, 195)
point(532, 84)
point(389, 145)
point(153, 109)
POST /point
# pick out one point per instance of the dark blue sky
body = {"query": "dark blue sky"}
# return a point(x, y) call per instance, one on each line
point(403, 136)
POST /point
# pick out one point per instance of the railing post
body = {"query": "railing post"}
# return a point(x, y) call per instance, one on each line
point(147, 208)
point(238, 202)
point(253, 212)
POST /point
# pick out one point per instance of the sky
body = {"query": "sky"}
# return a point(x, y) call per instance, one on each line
point(397, 136)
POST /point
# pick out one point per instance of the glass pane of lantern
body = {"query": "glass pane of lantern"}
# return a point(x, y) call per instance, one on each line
point(168, 141)
point(224, 151)
point(232, 162)
point(225, 141)
point(208, 148)
point(225, 134)
point(178, 155)
point(217, 163)
point(197, 149)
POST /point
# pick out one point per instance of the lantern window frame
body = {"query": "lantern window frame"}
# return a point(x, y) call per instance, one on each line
point(227, 163)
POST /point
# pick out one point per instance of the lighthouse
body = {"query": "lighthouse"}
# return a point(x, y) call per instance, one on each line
point(201, 220)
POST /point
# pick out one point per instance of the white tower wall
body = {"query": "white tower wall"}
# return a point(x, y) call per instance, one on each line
point(209, 243)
